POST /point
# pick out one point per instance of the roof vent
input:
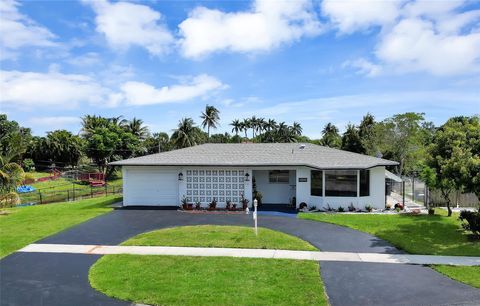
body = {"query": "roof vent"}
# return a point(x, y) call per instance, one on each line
point(302, 146)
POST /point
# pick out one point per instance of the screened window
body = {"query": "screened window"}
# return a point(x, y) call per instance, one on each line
point(364, 183)
point(341, 183)
point(278, 176)
point(316, 183)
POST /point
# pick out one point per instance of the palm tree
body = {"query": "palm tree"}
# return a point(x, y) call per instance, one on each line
point(246, 124)
point(297, 129)
point(11, 175)
point(186, 133)
point(330, 137)
point(254, 125)
point(136, 127)
point(237, 126)
point(271, 124)
point(210, 118)
point(118, 121)
point(261, 125)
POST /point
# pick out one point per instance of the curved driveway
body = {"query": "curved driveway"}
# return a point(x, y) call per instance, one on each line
point(62, 279)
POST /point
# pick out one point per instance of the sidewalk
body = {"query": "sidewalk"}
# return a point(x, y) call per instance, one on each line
point(254, 253)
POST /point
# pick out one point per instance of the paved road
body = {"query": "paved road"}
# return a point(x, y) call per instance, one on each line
point(62, 279)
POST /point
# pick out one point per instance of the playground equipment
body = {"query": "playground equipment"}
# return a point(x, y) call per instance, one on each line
point(25, 189)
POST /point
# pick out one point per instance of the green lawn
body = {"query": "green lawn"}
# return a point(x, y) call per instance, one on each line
point(24, 225)
point(183, 280)
point(422, 234)
point(221, 237)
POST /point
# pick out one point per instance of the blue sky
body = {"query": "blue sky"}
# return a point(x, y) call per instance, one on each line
point(307, 61)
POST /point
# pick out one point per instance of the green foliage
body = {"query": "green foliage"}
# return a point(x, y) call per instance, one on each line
point(330, 136)
point(14, 140)
point(210, 118)
point(11, 175)
point(351, 140)
point(454, 157)
point(402, 138)
point(187, 134)
point(28, 165)
point(471, 221)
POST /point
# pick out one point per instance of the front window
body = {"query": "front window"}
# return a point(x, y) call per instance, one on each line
point(316, 183)
point(278, 176)
point(341, 183)
point(364, 183)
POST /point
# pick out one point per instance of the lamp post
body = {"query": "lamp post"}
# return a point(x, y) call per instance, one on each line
point(255, 204)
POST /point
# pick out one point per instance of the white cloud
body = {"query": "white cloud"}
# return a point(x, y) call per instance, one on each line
point(18, 30)
point(127, 24)
point(416, 45)
point(364, 66)
point(52, 89)
point(268, 24)
point(435, 37)
point(87, 59)
point(138, 93)
point(358, 15)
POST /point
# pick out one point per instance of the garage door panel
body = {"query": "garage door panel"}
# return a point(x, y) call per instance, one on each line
point(151, 187)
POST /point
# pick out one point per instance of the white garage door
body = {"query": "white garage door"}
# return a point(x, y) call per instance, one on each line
point(152, 187)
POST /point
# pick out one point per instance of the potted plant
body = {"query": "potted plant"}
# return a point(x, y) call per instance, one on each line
point(351, 208)
point(184, 202)
point(198, 205)
point(244, 203)
point(212, 205)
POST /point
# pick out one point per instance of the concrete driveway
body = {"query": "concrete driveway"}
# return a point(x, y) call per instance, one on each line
point(62, 279)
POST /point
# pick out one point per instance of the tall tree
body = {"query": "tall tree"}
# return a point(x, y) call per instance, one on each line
point(366, 132)
point(210, 117)
point(351, 140)
point(453, 157)
point(14, 140)
point(330, 136)
point(246, 124)
point(64, 147)
point(297, 129)
point(136, 127)
point(400, 138)
point(236, 126)
point(186, 134)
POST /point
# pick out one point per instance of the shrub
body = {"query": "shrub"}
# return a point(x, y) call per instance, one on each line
point(368, 208)
point(351, 208)
point(29, 179)
point(340, 209)
point(431, 211)
point(328, 208)
point(28, 165)
point(198, 205)
point(471, 221)
point(10, 199)
point(302, 206)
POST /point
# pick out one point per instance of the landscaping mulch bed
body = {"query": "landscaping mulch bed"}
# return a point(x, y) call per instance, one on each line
point(214, 212)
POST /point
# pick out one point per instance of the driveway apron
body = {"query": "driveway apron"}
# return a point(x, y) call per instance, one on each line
point(62, 279)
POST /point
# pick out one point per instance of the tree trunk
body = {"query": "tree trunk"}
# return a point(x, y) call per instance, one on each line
point(446, 196)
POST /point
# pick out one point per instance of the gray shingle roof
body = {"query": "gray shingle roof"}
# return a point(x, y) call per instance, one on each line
point(259, 154)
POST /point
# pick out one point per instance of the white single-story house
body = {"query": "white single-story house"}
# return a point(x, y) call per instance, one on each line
point(283, 173)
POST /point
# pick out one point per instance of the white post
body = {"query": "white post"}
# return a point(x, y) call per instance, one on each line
point(255, 204)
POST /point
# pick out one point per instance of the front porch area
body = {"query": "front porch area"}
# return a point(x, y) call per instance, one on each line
point(275, 189)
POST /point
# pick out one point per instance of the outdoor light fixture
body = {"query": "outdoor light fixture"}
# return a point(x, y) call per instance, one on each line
point(247, 177)
point(180, 176)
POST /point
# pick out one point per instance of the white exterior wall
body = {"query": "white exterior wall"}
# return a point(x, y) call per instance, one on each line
point(143, 185)
point(376, 198)
point(274, 193)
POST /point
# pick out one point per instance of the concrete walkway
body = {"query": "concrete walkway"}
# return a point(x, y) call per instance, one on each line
point(253, 253)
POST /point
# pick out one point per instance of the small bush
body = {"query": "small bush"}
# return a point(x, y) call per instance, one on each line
point(369, 208)
point(328, 208)
point(340, 209)
point(302, 206)
point(10, 199)
point(29, 179)
point(471, 221)
point(312, 208)
point(28, 165)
